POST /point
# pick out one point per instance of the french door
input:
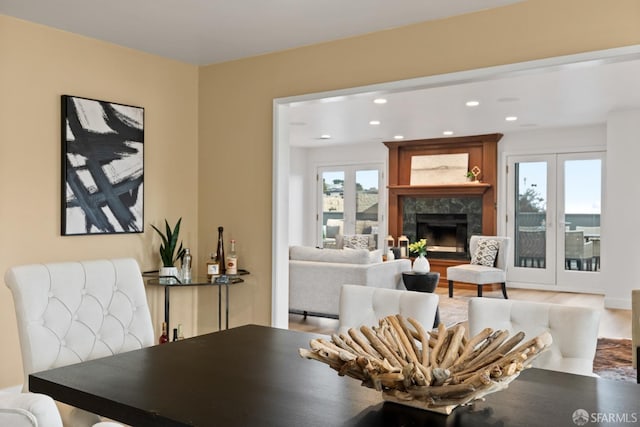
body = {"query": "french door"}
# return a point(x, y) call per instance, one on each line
point(554, 210)
point(350, 202)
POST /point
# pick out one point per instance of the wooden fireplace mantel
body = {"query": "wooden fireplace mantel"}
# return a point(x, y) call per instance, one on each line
point(483, 152)
point(470, 189)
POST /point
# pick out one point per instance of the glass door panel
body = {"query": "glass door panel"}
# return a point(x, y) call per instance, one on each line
point(332, 207)
point(580, 235)
point(367, 204)
point(530, 198)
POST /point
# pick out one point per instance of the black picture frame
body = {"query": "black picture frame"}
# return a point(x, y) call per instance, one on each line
point(102, 167)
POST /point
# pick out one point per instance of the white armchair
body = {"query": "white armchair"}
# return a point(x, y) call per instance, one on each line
point(479, 274)
point(574, 329)
point(75, 311)
point(363, 305)
point(28, 410)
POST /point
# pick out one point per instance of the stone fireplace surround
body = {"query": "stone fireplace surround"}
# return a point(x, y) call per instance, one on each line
point(452, 221)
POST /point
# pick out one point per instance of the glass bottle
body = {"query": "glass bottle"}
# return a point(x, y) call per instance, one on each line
point(186, 266)
point(163, 337)
point(180, 335)
point(175, 334)
point(220, 251)
point(213, 267)
point(232, 259)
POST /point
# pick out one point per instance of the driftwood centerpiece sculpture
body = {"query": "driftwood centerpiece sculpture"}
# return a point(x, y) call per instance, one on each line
point(436, 370)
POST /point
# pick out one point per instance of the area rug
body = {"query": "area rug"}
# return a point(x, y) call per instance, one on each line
point(613, 360)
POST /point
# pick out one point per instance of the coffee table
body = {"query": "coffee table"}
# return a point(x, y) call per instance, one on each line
point(422, 282)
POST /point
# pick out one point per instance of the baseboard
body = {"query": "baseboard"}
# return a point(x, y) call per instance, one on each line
point(621, 303)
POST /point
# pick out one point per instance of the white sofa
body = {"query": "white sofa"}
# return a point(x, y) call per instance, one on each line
point(316, 276)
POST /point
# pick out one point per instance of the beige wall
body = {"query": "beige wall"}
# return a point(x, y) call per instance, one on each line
point(233, 160)
point(37, 65)
point(236, 102)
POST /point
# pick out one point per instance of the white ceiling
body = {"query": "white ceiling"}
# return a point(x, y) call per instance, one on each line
point(211, 31)
point(572, 95)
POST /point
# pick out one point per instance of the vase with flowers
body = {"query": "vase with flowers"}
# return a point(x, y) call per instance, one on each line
point(420, 264)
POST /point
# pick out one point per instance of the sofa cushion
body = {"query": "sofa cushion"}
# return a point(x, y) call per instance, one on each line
point(344, 256)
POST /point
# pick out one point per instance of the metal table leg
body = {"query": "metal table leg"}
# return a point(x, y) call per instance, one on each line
point(219, 307)
point(166, 307)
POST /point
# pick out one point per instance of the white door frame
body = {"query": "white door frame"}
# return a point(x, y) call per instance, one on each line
point(553, 276)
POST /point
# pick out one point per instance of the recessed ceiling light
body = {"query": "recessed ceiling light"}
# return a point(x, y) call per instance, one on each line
point(374, 122)
point(380, 101)
point(398, 137)
point(472, 103)
point(325, 136)
point(511, 118)
point(447, 132)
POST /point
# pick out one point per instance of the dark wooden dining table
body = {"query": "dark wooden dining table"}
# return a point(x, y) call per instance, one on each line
point(253, 376)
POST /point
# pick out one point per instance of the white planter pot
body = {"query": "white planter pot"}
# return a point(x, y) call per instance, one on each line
point(168, 274)
point(421, 265)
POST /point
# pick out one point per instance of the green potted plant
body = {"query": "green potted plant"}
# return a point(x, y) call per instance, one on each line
point(168, 252)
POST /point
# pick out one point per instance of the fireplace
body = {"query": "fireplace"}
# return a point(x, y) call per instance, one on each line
point(446, 234)
point(446, 222)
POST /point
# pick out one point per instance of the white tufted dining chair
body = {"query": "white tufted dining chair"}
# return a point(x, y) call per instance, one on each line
point(28, 410)
point(574, 329)
point(365, 305)
point(71, 312)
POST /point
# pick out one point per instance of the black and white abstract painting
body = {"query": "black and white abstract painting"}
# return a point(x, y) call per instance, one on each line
point(102, 167)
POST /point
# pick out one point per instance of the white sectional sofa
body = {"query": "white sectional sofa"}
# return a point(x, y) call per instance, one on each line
point(316, 275)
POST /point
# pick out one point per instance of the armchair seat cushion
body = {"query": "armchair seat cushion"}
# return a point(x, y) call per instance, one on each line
point(478, 274)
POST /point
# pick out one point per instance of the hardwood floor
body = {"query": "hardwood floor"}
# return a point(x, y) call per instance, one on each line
point(614, 323)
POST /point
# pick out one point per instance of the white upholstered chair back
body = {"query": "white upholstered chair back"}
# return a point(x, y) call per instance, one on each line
point(365, 305)
point(28, 410)
point(574, 329)
point(71, 312)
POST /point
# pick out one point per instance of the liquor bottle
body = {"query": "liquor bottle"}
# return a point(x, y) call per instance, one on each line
point(220, 251)
point(163, 337)
point(186, 266)
point(180, 336)
point(232, 259)
point(213, 267)
point(175, 334)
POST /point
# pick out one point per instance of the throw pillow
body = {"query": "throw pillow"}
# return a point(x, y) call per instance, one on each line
point(486, 252)
point(356, 241)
